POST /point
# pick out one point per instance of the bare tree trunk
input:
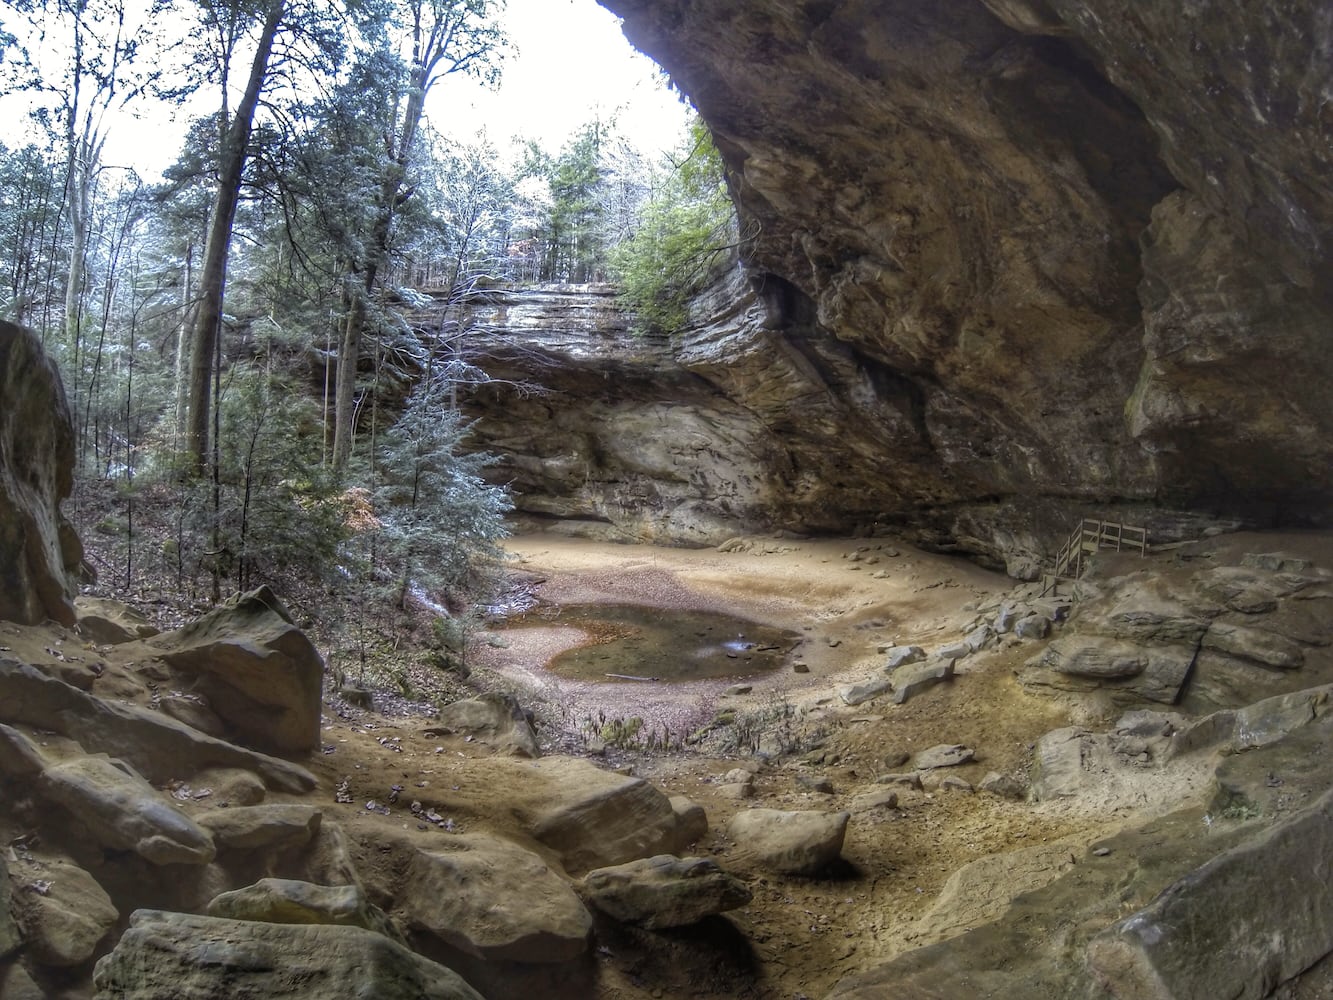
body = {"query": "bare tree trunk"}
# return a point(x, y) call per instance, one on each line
point(183, 343)
point(213, 279)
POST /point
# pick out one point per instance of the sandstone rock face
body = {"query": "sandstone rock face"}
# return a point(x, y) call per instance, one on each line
point(1221, 637)
point(1222, 930)
point(178, 956)
point(9, 935)
point(124, 812)
point(260, 673)
point(104, 620)
point(495, 719)
point(495, 900)
point(985, 242)
point(593, 818)
point(288, 901)
point(801, 842)
point(159, 748)
point(665, 891)
point(269, 826)
point(63, 924)
point(38, 548)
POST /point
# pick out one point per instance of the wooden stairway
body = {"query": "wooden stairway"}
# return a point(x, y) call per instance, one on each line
point(1090, 536)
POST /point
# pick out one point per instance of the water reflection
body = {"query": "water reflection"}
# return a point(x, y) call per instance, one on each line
point(631, 643)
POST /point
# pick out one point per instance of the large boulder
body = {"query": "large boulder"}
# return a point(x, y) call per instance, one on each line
point(288, 901)
point(112, 622)
point(179, 956)
point(802, 842)
point(664, 891)
point(1254, 916)
point(260, 673)
point(121, 811)
point(495, 719)
point(39, 551)
point(274, 826)
point(159, 748)
point(63, 912)
point(495, 900)
point(593, 818)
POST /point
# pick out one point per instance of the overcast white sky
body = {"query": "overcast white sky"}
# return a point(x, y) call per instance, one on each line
point(571, 62)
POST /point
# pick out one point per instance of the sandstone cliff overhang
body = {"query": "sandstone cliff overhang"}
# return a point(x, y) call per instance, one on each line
point(1083, 246)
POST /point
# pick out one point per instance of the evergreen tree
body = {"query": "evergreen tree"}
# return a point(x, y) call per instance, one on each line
point(441, 523)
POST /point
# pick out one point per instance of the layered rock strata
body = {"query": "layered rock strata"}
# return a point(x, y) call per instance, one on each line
point(1007, 262)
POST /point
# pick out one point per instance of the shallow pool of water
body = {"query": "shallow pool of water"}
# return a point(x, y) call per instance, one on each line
point(634, 644)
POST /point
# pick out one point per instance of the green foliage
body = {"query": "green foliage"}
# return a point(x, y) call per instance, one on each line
point(279, 513)
point(440, 523)
point(686, 234)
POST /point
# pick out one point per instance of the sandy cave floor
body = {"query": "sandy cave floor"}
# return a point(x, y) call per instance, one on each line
point(847, 599)
point(799, 936)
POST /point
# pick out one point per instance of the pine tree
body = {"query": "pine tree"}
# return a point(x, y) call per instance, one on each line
point(441, 522)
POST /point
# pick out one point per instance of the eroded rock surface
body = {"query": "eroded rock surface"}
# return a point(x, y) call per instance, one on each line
point(795, 842)
point(187, 957)
point(495, 900)
point(665, 891)
point(39, 550)
point(983, 249)
point(260, 673)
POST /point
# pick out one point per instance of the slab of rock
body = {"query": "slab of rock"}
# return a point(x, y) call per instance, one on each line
point(944, 755)
point(910, 683)
point(691, 823)
point(856, 694)
point(186, 957)
point(231, 786)
point(19, 756)
point(593, 818)
point(495, 719)
point(1154, 672)
point(63, 913)
point(1057, 771)
point(110, 622)
point(954, 651)
point(17, 984)
point(908, 779)
point(901, 655)
point(260, 673)
point(493, 899)
point(9, 934)
point(193, 712)
point(120, 810)
point(977, 639)
point(1256, 725)
point(160, 748)
point(268, 826)
point(1250, 918)
point(664, 891)
point(800, 842)
point(1277, 562)
point(1003, 785)
point(288, 901)
point(39, 550)
point(1033, 627)
point(1255, 644)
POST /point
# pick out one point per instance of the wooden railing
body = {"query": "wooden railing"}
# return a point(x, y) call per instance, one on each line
point(1087, 538)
